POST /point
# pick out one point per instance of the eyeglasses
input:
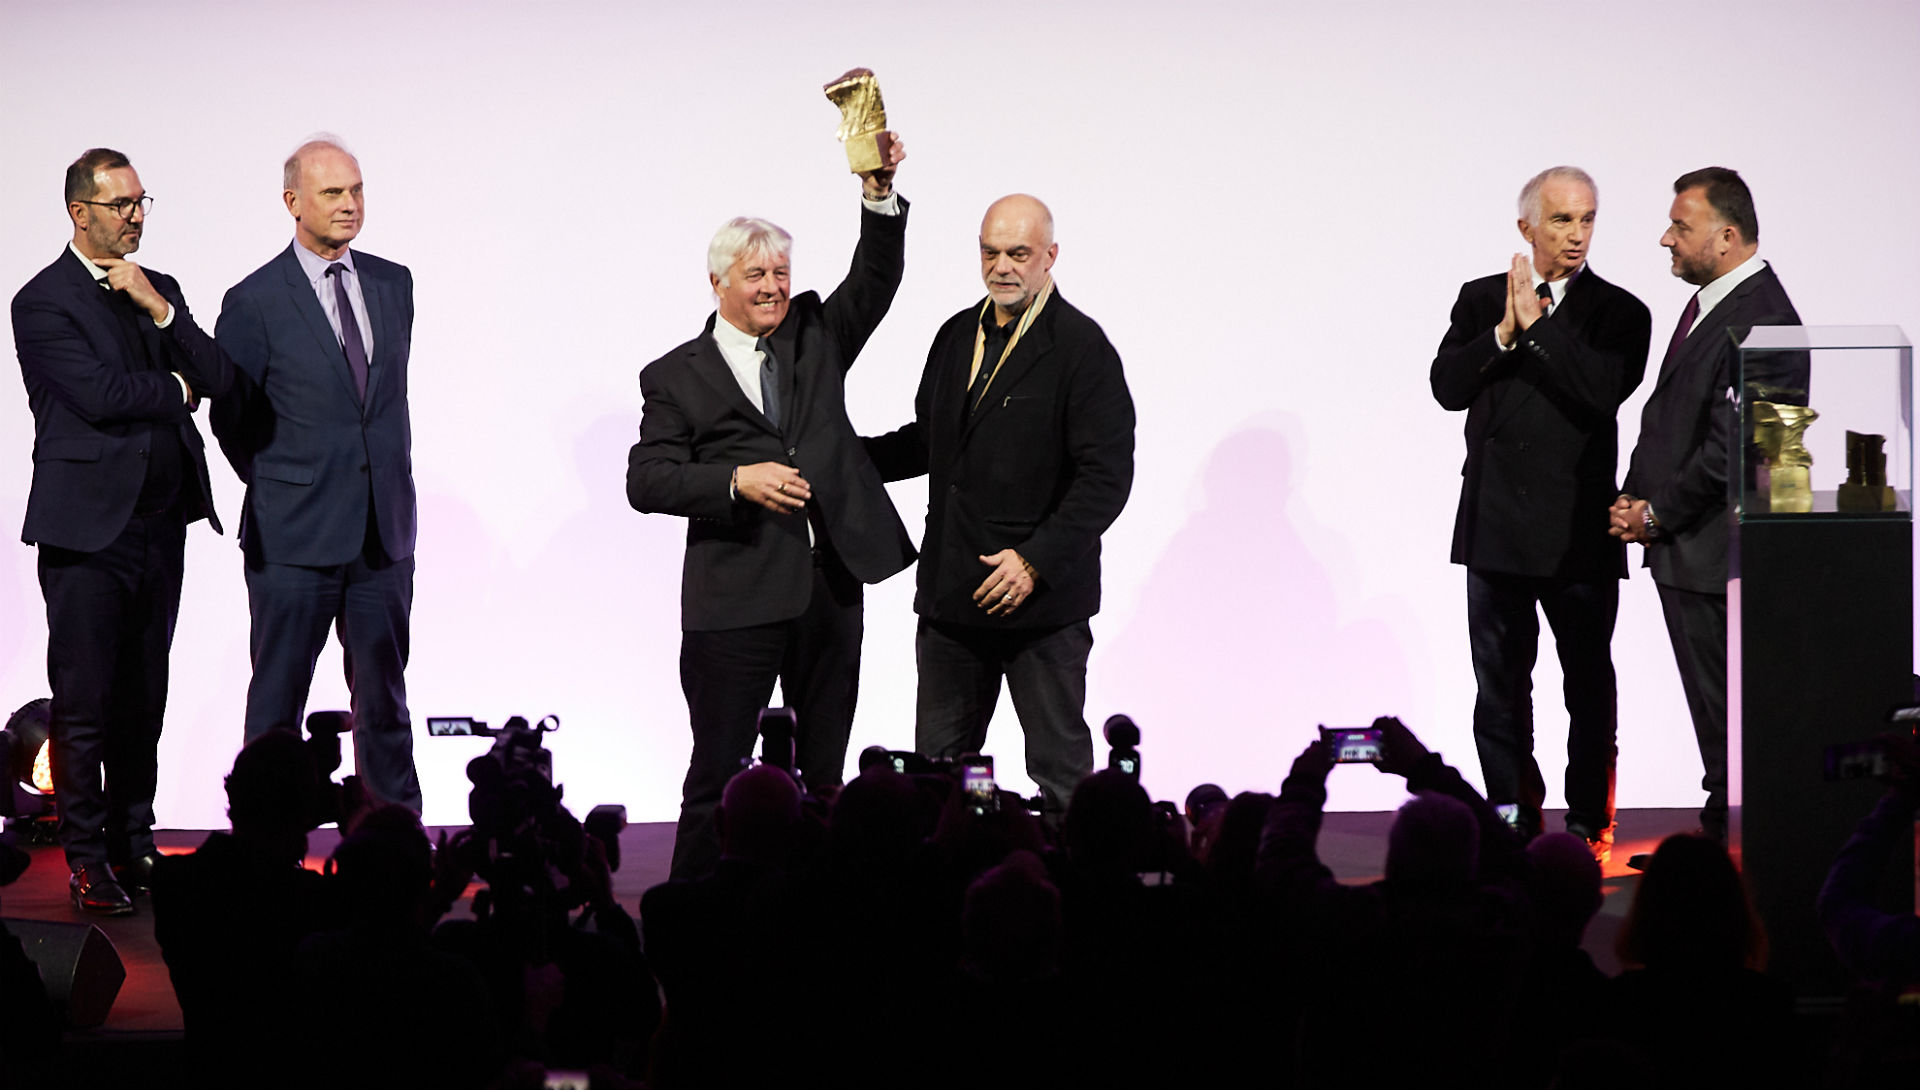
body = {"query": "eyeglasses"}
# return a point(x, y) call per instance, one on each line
point(124, 207)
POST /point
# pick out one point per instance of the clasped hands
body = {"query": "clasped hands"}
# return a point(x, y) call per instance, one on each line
point(1629, 519)
point(1523, 303)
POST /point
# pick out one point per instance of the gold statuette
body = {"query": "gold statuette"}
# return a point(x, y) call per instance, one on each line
point(863, 119)
point(1866, 488)
point(1786, 475)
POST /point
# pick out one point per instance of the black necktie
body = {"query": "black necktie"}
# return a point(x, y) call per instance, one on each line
point(349, 330)
point(1545, 293)
point(769, 382)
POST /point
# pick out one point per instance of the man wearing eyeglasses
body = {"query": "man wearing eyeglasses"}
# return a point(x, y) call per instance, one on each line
point(114, 368)
point(318, 429)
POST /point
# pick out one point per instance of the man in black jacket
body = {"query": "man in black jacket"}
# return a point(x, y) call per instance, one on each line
point(1024, 425)
point(744, 432)
point(1541, 357)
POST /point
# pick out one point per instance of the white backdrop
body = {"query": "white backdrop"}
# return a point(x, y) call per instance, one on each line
point(1270, 208)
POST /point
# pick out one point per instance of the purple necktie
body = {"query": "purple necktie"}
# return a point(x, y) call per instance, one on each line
point(349, 330)
point(1680, 331)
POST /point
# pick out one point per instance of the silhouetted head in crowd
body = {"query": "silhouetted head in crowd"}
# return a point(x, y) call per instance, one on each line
point(1434, 844)
point(876, 821)
point(1236, 839)
point(384, 873)
point(758, 811)
point(270, 793)
point(1566, 886)
point(1010, 923)
point(1109, 825)
point(1692, 912)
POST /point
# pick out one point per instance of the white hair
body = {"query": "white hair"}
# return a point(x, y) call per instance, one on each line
point(290, 171)
point(1530, 193)
point(743, 236)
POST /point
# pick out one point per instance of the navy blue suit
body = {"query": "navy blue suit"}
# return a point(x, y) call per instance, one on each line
point(328, 525)
point(119, 471)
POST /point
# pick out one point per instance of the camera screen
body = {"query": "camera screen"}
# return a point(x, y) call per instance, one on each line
point(450, 726)
point(1353, 745)
point(977, 781)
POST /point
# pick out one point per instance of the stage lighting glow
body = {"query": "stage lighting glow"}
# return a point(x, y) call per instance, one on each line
point(42, 780)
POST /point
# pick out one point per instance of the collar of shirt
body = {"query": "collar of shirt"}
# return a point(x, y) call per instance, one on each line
point(1557, 287)
point(316, 266)
point(741, 352)
point(99, 274)
point(1712, 294)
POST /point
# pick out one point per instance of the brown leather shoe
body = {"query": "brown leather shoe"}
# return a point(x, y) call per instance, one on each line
point(95, 892)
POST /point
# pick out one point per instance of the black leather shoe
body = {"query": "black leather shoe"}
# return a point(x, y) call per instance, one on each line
point(95, 893)
point(137, 877)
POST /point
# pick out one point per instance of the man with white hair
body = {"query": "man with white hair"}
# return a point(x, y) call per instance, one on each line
point(319, 431)
point(1541, 356)
point(744, 432)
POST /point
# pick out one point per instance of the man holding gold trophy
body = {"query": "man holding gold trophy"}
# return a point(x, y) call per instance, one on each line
point(744, 432)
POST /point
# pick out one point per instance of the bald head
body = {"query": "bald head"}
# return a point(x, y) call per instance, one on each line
point(757, 810)
point(1016, 253)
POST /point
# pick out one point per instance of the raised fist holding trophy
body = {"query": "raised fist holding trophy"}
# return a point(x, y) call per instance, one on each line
point(873, 151)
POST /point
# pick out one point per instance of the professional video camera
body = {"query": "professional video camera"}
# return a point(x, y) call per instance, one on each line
point(523, 843)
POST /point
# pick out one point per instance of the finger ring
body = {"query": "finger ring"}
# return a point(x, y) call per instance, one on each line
point(783, 487)
point(1008, 597)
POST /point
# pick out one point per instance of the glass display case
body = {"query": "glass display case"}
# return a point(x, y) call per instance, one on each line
point(1827, 419)
point(1820, 611)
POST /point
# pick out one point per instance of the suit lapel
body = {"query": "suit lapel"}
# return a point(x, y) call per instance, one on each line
point(705, 360)
point(300, 289)
point(1026, 355)
point(93, 300)
point(373, 288)
point(1708, 332)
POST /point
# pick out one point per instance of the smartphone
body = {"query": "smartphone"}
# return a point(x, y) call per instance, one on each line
point(976, 782)
point(1352, 745)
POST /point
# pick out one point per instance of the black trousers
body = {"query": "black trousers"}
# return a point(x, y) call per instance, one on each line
point(1697, 625)
point(110, 617)
point(1046, 673)
point(1505, 634)
point(728, 677)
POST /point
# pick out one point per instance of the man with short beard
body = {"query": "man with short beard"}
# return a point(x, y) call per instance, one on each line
point(1024, 426)
point(114, 367)
point(1675, 497)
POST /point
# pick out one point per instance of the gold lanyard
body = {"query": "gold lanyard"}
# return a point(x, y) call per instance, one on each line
point(980, 338)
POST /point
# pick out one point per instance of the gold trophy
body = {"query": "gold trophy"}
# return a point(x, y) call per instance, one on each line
point(863, 119)
point(1786, 484)
point(1866, 488)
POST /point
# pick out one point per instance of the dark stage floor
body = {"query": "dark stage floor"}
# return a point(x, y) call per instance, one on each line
point(1354, 845)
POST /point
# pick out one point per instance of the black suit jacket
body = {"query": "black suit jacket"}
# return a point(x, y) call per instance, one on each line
point(1680, 463)
point(744, 564)
point(94, 401)
point(1542, 442)
point(1044, 466)
point(312, 454)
